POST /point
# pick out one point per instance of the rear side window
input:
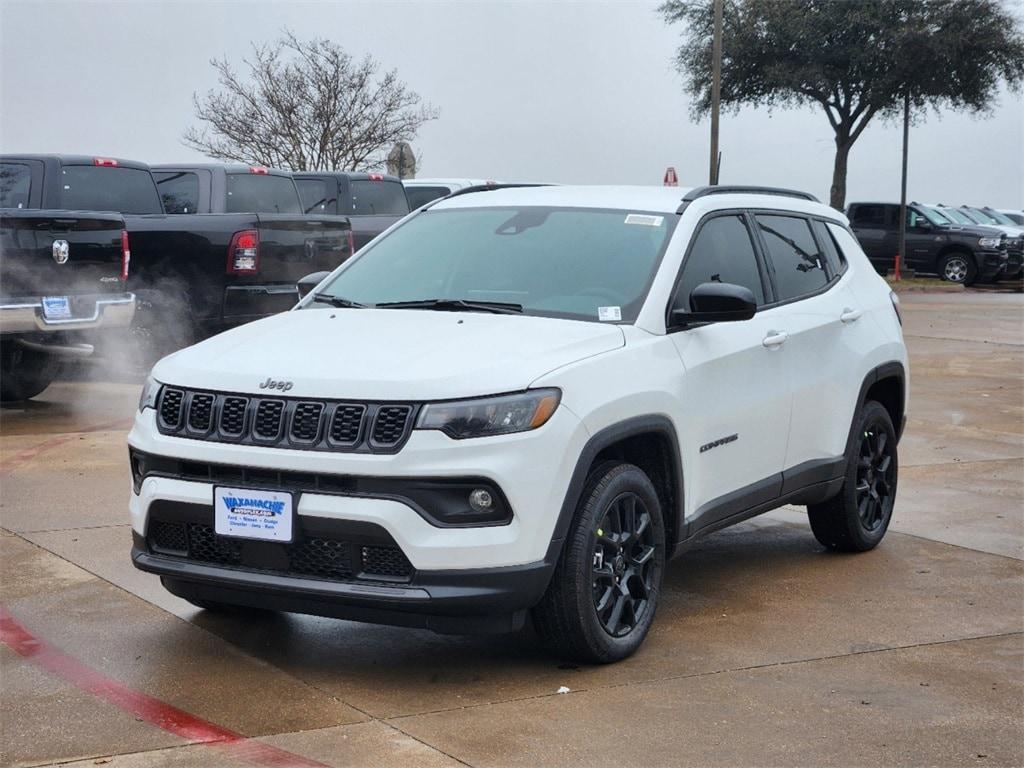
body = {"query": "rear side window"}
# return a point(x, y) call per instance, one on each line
point(261, 193)
point(105, 188)
point(378, 197)
point(798, 266)
point(15, 185)
point(179, 192)
point(834, 256)
point(419, 196)
point(869, 216)
point(722, 252)
point(316, 197)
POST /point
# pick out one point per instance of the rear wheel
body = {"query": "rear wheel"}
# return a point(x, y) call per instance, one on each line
point(856, 519)
point(604, 592)
point(958, 267)
point(25, 373)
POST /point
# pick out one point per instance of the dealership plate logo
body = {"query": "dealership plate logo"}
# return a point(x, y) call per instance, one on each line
point(253, 514)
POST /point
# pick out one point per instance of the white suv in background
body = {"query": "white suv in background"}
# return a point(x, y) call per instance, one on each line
point(527, 400)
point(423, 191)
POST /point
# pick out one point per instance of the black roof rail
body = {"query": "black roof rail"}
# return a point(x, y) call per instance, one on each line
point(480, 188)
point(734, 189)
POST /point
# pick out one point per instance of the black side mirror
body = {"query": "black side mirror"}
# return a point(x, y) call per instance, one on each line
point(717, 303)
point(309, 282)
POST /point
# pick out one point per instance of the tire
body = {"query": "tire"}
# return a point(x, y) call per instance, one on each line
point(958, 267)
point(856, 519)
point(25, 373)
point(604, 592)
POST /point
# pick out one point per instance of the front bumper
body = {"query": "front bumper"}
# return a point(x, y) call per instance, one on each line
point(106, 311)
point(992, 264)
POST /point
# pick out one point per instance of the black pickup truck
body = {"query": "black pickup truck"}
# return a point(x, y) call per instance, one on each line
point(960, 254)
point(62, 285)
point(195, 275)
point(371, 201)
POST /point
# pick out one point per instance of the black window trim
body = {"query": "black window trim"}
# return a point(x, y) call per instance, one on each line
point(767, 287)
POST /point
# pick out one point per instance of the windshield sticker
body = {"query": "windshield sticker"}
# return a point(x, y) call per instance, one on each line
point(609, 314)
point(644, 220)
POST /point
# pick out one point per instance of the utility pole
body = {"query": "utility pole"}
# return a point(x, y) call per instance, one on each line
point(716, 90)
point(902, 247)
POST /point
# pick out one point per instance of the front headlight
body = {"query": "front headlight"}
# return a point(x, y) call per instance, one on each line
point(491, 415)
point(990, 242)
point(150, 390)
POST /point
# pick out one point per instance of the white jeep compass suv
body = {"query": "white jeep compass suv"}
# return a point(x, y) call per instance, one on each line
point(526, 400)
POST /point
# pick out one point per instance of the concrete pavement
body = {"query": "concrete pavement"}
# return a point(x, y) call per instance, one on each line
point(766, 650)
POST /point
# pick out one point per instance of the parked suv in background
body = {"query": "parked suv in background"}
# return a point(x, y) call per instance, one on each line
point(371, 201)
point(528, 399)
point(958, 253)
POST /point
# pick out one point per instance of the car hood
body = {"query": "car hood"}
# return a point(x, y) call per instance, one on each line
point(386, 354)
point(973, 230)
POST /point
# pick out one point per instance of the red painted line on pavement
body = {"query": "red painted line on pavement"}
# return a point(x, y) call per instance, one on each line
point(144, 707)
point(15, 461)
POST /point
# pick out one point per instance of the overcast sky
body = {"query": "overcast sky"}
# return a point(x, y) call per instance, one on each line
point(549, 91)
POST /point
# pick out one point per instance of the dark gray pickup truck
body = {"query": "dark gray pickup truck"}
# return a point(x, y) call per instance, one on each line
point(62, 285)
point(196, 274)
point(371, 201)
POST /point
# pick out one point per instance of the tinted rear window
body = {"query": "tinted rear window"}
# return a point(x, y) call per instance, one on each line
point(102, 188)
point(259, 193)
point(422, 195)
point(15, 185)
point(179, 192)
point(315, 196)
point(378, 197)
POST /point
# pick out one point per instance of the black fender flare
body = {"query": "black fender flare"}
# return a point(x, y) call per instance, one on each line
point(614, 433)
point(888, 370)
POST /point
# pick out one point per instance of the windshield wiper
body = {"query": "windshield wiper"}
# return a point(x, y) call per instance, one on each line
point(456, 305)
point(337, 301)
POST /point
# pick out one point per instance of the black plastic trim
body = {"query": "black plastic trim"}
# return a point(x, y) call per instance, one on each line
point(698, 192)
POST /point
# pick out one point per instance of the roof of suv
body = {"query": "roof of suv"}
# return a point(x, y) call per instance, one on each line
point(640, 198)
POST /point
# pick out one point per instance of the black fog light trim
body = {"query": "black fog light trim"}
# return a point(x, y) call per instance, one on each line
point(444, 503)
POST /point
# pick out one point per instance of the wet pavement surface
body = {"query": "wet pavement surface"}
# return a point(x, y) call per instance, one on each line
point(766, 649)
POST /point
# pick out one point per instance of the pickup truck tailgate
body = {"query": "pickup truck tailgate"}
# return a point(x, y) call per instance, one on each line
point(293, 245)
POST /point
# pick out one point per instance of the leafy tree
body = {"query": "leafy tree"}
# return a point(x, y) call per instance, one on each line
point(856, 59)
point(306, 105)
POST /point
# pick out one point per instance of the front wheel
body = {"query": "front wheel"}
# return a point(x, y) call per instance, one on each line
point(604, 592)
point(856, 519)
point(958, 267)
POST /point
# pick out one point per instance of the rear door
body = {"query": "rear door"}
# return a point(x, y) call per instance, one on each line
point(735, 389)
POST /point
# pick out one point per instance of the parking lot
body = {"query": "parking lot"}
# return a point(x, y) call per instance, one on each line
point(767, 650)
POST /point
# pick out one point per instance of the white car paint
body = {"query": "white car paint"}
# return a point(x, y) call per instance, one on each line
point(789, 403)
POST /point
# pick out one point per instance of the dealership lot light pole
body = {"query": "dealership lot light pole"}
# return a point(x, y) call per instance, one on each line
point(716, 89)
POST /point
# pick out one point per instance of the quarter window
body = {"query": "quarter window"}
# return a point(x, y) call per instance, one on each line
point(722, 252)
point(798, 266)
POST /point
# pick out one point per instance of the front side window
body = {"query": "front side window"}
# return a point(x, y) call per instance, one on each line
point(584, 264)
point(371, 198)
point(15, 185)
point(317, 195)
point(106, 188)
point(179, 191)
point(798, 266)
point(261, 193)
point(722, 252)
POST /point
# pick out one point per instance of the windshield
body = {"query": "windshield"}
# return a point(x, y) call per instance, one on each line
point(106, 188)
point(934, 216)
point(973, 216)
point(261, 193)
point(999, 218)
point(955, 215)
point(585, 264)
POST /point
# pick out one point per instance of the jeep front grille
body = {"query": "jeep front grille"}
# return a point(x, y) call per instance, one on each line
point(319, 425)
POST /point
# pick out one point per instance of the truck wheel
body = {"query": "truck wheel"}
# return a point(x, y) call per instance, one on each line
point(24, 373)
point(958, 267)
point(604, 592)
point(856, 519)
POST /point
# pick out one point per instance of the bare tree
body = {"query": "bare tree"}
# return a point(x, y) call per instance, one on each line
point(306, 105)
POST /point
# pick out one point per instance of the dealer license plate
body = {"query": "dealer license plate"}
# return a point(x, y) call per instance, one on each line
point(253, 514)
point(56, 308)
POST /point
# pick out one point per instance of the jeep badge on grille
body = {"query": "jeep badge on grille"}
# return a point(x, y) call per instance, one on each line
point(284, 386)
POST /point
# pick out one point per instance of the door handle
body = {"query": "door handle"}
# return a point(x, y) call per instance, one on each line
point(850, 315)
point(775, 339)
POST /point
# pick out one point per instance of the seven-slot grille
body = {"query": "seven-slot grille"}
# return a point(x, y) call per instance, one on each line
point(285, 422)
